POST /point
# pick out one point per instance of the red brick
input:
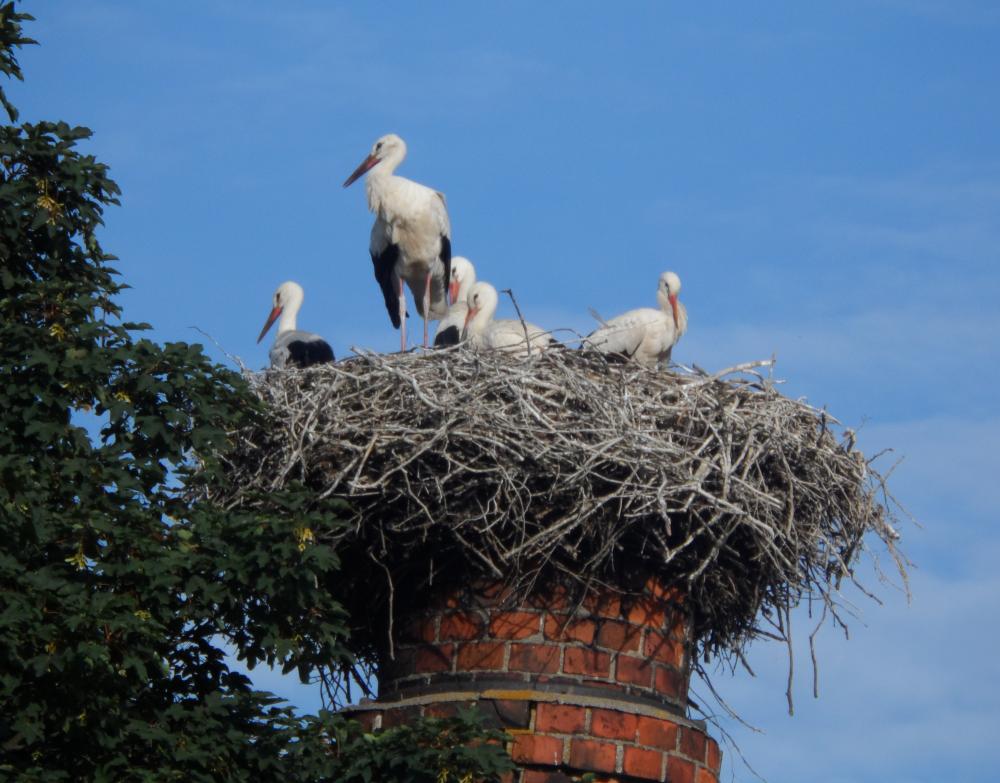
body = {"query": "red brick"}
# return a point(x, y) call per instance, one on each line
point(613, 724)
point(366, 719)
point(663, 649)
point(400, 717)
point(555, 598)
point(515, 625)
point(537, 749)
point(433, 659)
point(648, 612)
point(679, 627)
point(494, 593)
point(668, 681)
point(679, 770)
point(560, 718)
point(592, 755)
point(656, 588)
point(423, 629)
point(480, 655)
point(603, 605)
point(579, 660)
point(545, 776)
point(692, 743)
point(714, 757)
point(448, 710)
point(634, 671)
point(618, 636)
point(562, 628)
point(705, 776)
point(643, 763)
point(657, 733)
point(534, 658)
point(461, 626)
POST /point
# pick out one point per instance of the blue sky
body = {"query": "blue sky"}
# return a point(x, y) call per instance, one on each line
point(825, 178)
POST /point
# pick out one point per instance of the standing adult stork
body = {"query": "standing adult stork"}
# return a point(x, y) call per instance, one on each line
point(463, 277)
point(293, 347)
point(411, 238)
point(482, 331)
point(647, 335)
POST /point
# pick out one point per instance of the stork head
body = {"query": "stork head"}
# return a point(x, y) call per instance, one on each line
point(390, 148)
point(463, 276)
point(666, 293)
point(482, 301)
point(288, 298)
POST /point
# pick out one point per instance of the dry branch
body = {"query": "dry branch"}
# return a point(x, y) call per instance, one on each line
point(576, 468)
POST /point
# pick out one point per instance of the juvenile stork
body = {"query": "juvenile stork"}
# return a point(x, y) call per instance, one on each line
point(293, 348)
point(463, 277)
point(646, 335)
point(482, 331)
point(411, 238)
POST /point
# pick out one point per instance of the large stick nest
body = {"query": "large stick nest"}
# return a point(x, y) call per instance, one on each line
point(575, 468)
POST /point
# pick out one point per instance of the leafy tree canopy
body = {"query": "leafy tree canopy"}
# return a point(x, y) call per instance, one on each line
point(119, 589)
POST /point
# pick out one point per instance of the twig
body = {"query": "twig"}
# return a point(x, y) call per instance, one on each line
point(558, 469)
point(524, 324)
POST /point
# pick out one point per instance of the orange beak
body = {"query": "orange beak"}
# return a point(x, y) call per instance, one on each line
point(469, 316)
point(673, 306)
point(366, 164)
point(270, 320)
point(453, 292)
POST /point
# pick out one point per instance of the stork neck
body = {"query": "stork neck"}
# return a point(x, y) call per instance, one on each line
point(377, 185)
point(384, 169)
point(463, 287)
point(487, 309)
point(289, 313)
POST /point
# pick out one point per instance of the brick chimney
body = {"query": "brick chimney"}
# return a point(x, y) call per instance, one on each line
point(593, 685)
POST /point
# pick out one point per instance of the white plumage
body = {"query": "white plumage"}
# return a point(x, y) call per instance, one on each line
point(411, 237)
point(293, 347)
point(463, 277)
point(646, 335)
point(481, 331)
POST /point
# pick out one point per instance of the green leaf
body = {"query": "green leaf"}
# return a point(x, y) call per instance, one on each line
point(123, 594)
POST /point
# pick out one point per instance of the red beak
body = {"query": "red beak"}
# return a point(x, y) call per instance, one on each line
point(366, 164)
point(673, 306)
point(469, 316)
point(453, 292)
point(270, 320)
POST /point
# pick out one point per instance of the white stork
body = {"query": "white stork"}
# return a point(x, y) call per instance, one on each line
point(463, 277)
point(647, 335)
point(292, 347)
point(411, 238)
point(481, 331)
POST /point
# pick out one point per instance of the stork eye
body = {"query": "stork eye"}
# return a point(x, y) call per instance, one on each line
point(378, 146)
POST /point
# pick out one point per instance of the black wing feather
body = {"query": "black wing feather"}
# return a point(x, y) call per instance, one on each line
point(385, 264)
point(447, 337)
point(445, 257)
point(305, 353)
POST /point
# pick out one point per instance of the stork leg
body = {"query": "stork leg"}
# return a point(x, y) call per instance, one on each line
point(427, 304)
point(402, 317)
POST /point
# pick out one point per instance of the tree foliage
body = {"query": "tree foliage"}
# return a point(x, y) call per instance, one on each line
point(119, 591)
